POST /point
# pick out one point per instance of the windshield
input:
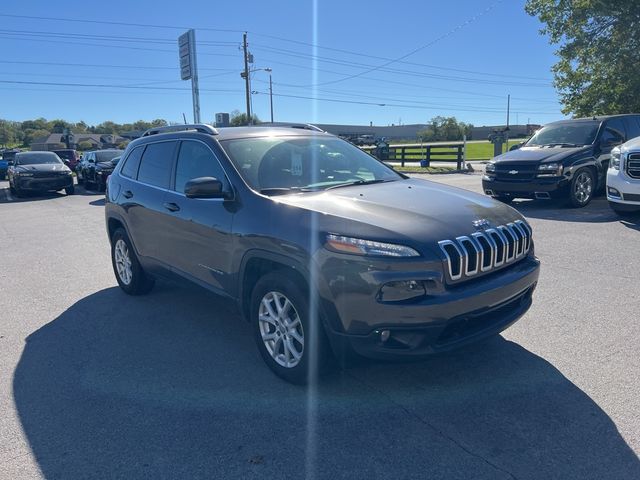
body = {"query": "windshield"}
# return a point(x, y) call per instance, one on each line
point(38, 158)
point(565, 134)
point(107, 155)
point(281, 164)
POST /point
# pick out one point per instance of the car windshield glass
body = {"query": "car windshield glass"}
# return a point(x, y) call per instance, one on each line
point(274, 165)
point(107, 155)
point(565, 134)
point(37, 158)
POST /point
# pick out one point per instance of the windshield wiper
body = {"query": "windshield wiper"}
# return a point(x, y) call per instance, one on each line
point(357, 182)
point(285, 190)
point(561, 145)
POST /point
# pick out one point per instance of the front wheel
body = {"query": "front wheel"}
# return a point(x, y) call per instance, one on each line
point(292, 346)
point(582, 188)
point(69, 190)
point(129, 273)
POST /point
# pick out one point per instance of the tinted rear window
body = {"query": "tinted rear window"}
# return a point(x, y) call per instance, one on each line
point(155, 166)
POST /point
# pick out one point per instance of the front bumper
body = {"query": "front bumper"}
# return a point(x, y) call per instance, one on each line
point(628, 190)
point(446, 319)
point(554, 186)
point(44, 183)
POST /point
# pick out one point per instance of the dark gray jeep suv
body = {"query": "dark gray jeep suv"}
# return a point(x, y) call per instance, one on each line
point(323, 247)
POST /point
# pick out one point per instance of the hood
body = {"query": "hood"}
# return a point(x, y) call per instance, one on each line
point(44, 167)
point(417, 213)
point(539, 154)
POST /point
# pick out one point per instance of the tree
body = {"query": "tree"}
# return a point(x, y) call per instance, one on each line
point(599, 53)
point(445, 129)
point(238, 119)
point(83, 146)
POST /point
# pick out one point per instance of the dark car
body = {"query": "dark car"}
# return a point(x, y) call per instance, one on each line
point(39, 172)
point(7, 155)
point(95, 167)
point(322, 246)
point(566, 159)
point(69, 156)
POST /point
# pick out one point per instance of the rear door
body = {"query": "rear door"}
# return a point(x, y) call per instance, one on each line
point(633, 127)
point(197, 238)
point(143, 196)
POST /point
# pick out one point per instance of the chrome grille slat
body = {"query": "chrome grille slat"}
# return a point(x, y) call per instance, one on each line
point(487, 250)
point(633, 165)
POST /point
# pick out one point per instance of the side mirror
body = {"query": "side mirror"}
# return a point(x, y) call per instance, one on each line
point(204, 187)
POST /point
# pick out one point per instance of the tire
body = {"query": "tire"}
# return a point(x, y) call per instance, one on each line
point(79, 179)
point(582, 188)
point(289, 331)
point(11, 189)
point(129, 273)
point(70, 190)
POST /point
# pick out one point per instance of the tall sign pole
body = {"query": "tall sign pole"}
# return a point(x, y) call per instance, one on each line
point(189, 68)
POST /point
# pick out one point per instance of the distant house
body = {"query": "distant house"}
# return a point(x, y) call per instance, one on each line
point(97, 141)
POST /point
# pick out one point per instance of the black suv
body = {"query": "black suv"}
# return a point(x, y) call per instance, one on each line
point(94, 168)
point(566, 159)
point(322, 246)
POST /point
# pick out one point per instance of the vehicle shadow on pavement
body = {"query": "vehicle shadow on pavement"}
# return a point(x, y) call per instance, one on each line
point(7, 197)
point(170, 385)
point(597, 211)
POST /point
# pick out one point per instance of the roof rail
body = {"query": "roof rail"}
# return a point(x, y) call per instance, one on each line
point(303, 126)
point(198, 127)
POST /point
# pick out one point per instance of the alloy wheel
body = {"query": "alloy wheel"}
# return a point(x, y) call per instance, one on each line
point(281, 329)
point(123, 261)
point(583, 187)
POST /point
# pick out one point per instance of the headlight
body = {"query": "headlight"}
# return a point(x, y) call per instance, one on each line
point(358, 246)
point(615, 159)
point(550, 169)
point(490, 168)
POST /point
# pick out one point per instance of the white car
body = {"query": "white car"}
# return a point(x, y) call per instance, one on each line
point(623, 177)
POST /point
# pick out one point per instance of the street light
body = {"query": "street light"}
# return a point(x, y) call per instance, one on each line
point(268, 70)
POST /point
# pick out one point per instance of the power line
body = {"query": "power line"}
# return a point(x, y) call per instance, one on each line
point(102, 65)
point(125, 24)
point(415, 50)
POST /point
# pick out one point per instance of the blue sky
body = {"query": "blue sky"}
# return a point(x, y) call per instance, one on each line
point(351, 62)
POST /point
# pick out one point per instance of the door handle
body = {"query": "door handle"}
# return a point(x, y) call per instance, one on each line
point(127, 194)
point(172, 207)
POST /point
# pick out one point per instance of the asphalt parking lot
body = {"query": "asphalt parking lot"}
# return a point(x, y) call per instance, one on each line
point(97, 384)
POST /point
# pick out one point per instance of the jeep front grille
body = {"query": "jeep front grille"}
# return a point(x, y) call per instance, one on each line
point(487, 250)
point(633, 165)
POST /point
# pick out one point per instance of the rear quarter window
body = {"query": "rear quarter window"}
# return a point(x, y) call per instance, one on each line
point(132, 162)
point(156, 164)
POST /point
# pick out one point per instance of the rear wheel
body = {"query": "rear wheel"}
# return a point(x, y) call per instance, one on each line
point(582, 188)
point(292, 346)
point(129, 273)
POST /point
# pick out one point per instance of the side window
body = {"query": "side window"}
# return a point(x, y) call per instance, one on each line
point(155, 165)
point(633, 127)
point(196, 160)
point(132, 162)
point(614, 133)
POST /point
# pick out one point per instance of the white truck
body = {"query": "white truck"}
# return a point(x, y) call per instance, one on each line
point(623, 177)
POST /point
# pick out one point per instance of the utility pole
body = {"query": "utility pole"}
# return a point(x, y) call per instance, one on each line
point(245, 75)
point(270, 92)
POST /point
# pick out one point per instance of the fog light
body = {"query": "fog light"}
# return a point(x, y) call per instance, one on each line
point(402, 290)
point(384, 335)
point(613, 192)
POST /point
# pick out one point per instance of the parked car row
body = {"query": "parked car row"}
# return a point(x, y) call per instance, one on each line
point(39, 171)
point(573, 160)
